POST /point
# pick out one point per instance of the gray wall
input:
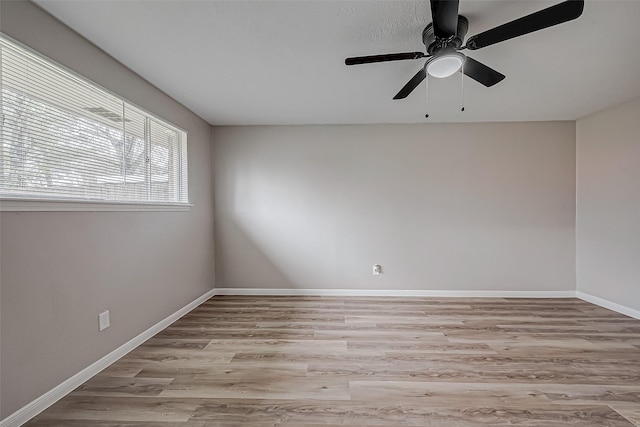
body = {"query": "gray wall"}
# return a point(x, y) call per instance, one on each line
point(442, 207)
point(60, 269)
point(608, 211)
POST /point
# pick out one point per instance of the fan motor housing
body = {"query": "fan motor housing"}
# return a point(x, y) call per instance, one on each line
point(434, 45)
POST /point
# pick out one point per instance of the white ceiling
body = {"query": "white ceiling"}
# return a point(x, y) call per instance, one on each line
point(282, 62)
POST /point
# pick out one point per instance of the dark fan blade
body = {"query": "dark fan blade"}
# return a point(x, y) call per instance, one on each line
point(481, 73)
point(554, 15)
point(445, 18)
point(383, 58)
point(411, 84)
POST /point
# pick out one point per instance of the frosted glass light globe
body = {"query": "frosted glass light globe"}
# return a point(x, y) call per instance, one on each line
point(445, 65)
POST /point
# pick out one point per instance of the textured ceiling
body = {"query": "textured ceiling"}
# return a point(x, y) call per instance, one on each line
point(282, 62)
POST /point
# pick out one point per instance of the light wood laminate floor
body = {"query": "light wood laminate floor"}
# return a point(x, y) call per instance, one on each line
point(336, 361)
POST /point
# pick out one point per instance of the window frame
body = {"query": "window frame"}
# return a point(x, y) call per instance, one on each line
point(52, 203)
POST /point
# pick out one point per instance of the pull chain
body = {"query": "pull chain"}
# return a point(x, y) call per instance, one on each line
point(426, 81)
point(462, 86)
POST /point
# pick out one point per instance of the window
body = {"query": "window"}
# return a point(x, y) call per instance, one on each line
point(65, 138)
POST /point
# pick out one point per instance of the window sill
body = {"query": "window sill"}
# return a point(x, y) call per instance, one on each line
point(32, 205)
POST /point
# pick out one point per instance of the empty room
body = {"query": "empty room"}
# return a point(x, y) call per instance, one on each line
point(319, 213)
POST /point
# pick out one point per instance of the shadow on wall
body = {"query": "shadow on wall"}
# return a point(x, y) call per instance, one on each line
point(288, 230)
point(242, 242)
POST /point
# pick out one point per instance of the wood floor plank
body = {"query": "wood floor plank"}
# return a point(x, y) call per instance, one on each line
point(364, 361)
point(288, 388)
point(279, 345)
point(419, 347)
point(299, 411)
point(140, 409)
point(520, 415)
point(230, 372)
point(101, 385)
point(439, 394)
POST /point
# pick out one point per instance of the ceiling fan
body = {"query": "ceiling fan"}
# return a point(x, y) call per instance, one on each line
point(444, 40)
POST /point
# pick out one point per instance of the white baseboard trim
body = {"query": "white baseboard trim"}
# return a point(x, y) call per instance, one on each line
point(32, 409)
point(393, 293)
point(622, 309)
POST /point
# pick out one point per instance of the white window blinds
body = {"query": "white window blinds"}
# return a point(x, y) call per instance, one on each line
point(64, 137)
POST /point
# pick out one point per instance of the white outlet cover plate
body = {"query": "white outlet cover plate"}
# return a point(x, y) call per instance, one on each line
point(104, 320)
point(377, 269)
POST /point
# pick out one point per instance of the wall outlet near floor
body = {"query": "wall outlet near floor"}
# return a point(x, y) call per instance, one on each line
point(377, 269)
point(104, 320)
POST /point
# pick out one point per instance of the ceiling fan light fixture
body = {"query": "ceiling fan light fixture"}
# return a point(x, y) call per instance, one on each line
point(442, 66)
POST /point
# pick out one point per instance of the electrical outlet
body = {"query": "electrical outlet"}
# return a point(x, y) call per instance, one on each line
point(104, 321)
point(377, 269)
